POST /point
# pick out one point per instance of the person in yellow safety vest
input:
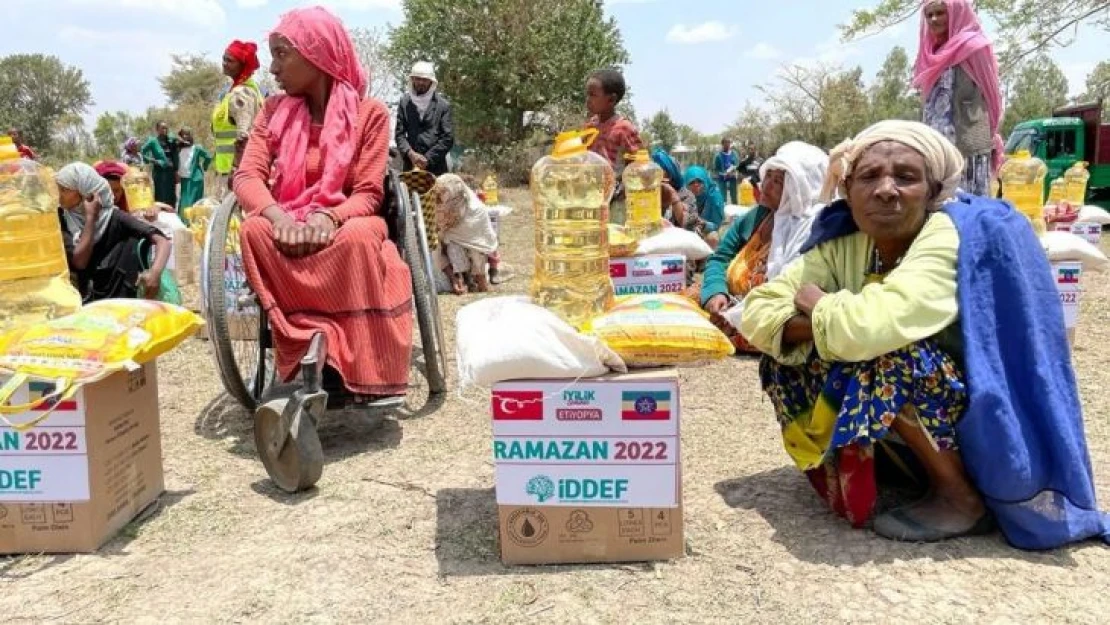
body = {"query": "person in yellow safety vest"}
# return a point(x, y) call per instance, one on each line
point(234, 115)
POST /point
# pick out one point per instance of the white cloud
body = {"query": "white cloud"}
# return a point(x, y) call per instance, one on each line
point(196, 12)
point(252, 4)
point(763, 51)
point(702, 33)
point(829, 52)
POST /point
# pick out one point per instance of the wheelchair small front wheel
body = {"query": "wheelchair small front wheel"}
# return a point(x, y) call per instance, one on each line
point(289, 446)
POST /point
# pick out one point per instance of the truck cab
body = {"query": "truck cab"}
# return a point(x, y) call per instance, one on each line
point(1072, 134)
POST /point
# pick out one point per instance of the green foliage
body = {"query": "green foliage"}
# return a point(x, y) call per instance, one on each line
point(112, 129)
point(821, 104)
point(38, 92)
point(1098, 86)
point(891, 95)
point(1040, 87)
point(663, 130)
point(498, 59)
point(194, 78)
point(1025, 27)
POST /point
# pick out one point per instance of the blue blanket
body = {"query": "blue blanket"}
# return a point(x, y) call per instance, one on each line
point(1022, 437)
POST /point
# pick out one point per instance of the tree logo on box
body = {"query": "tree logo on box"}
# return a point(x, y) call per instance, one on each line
point(528, 527)
point(542, 487)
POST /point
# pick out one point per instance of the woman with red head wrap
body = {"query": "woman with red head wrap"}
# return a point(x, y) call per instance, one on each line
point(314, 248)
point(234, 115)
point(957, 74)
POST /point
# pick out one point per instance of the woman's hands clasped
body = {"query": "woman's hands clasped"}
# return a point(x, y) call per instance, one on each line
point(297, 239)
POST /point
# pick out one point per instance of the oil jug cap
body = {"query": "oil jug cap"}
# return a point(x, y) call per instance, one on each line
point(641, 156)
point(573, 142)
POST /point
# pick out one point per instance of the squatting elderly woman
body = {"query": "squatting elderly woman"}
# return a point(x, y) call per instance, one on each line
point(926, 328)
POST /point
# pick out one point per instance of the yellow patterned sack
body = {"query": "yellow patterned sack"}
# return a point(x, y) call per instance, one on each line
point(660, 330)
point(92, 343)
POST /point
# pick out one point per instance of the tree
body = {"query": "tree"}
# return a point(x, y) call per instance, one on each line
point(663, 130)
point(71, 141)
point(751, 128)
point(1098, 86)
point(112, 129)
point(37, 92)
point(497, 59)
point(1039, 88)
point(818, 104)
point(387, 78)
point(891, 94)
point(1025, 27)
point(194, 78)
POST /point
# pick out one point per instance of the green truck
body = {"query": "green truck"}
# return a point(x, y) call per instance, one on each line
point(1074, 133)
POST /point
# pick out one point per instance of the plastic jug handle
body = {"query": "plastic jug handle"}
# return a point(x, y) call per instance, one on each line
point(574, 142)
point(66, 389)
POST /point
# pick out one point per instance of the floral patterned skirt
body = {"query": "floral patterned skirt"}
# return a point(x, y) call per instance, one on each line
point(833, 414)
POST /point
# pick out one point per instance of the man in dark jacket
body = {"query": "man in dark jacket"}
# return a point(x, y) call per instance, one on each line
point(425, 133)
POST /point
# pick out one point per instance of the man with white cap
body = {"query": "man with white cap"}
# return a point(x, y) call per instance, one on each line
point(425, 133)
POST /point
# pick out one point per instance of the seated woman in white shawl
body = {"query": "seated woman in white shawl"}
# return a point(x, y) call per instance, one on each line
point(764, 240)
point(466, 235)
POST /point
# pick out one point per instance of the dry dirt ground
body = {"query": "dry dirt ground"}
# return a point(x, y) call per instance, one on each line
point(402, 526)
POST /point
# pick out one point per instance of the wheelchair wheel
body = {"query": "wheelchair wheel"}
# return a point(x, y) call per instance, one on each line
point(288, 445)
point(236, 323)
point(422, 267)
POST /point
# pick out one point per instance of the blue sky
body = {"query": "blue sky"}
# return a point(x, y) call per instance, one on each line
point(700, 59)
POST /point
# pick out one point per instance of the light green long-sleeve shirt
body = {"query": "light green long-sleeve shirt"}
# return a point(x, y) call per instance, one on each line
point(856, 321)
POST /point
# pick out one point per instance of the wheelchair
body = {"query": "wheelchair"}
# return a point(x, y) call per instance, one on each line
point(285, 423)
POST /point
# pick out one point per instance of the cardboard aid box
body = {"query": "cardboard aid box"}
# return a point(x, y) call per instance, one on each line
point(656, 273)
point(73, 481)
point(589, 470)
point(1067, 276)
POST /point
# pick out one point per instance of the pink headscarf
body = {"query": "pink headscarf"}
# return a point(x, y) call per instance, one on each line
point(968, 47)
point(321, 39)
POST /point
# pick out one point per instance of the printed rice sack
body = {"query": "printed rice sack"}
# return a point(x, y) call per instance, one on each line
point(660, 330)
point(92, 343)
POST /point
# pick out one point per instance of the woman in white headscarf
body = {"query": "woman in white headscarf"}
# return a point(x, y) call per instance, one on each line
point(765, 239)
point(466, 234)
point(103, 243)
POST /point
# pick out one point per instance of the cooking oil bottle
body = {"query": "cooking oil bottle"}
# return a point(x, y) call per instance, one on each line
point(1023, 183)
point(489, 187)
point(747, 193)
point(1077, 178)
point(198, 215)
point(8, 151)
point(571, 190)
point(643, 183)
point(138, 187)
point(34, 275)
point(1058, 190)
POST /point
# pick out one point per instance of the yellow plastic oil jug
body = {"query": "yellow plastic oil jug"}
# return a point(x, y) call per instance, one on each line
point(571, 189)
point(34, 274)
point(1077, 178)
point(747, 193)
point(138, 187)
point(489, 187)
point(643, 182)
point(1023, 183)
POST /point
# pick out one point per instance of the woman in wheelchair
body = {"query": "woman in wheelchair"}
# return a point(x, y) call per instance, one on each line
point(315, 250)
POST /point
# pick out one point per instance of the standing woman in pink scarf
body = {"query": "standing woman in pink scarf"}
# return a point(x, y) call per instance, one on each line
point(957, 74)
point(314, 248)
